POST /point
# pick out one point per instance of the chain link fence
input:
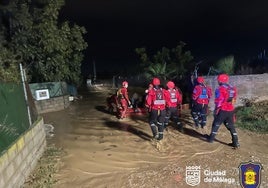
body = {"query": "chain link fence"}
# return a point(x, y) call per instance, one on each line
point(14, 119)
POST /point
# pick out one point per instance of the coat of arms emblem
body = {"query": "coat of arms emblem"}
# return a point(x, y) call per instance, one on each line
point(250, 176)
point(193, 175)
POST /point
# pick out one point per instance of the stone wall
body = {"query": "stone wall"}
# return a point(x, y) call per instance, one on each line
point(52, 104)
point(21, 158)
point(249, 86)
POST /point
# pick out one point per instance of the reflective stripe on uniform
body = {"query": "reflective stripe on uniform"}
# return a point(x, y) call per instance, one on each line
point(158, 102)
point(173, 100)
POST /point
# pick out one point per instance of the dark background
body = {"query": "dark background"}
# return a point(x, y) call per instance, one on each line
point(211, 28)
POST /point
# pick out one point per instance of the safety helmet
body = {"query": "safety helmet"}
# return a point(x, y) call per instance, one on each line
point(223, 78)
point(170, 85)
point(200, 80)
point(125, 83)
point(156, 81)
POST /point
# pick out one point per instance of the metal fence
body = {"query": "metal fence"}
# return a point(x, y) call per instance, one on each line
point(14, 119)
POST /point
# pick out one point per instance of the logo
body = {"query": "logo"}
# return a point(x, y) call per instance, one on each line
point(193, 175)
point(250, 174)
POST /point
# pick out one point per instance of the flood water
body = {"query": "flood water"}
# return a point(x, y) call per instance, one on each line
point(102, 151)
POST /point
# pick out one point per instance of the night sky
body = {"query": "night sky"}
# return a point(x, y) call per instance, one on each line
point(210, 28)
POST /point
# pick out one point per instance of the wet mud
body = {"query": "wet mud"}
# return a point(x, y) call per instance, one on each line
point(102, 151)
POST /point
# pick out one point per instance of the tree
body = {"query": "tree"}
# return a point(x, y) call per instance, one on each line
point(226, 64)
point(165, 64)
point(51, 51)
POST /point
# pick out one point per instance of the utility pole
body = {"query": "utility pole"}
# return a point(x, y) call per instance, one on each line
point(23, 78)
point(94, 72)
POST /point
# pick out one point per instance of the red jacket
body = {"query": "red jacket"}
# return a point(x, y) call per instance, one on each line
point(174, 98)
point(122, 94)
point(156, 99)
point(202, 94)
point(225, 97)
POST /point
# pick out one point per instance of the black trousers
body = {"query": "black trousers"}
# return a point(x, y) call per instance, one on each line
point(199, 114)
point(172, 113)
point(156, 121)
point(226, 117)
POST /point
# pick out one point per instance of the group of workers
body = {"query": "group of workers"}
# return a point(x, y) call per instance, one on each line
point(163, 105)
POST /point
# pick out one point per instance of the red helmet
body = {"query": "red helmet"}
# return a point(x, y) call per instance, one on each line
point(125, 83)
point(200, 80)
point(223, 78)
point(170, 85)
point(156, 81)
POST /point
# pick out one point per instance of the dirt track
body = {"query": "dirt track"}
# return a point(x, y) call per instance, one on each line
point(105, 152)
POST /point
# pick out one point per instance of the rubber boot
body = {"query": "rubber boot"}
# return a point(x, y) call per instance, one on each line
point(154, 131)
point(180, 127)
point(161, 131)
point(235, 143)
point(211, 137)
point(196, 119)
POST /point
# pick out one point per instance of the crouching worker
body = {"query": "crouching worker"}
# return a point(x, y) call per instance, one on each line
point(156, 103)
point(112, 104)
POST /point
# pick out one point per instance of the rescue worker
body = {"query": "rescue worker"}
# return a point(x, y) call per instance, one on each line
point(200, 99)
point(123, 100)
point(136, 101)
point(174, 100)
point(150, 86)
point(112, 103)
point(225, 98)
point(156, 103)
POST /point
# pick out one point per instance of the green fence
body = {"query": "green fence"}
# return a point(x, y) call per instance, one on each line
point(13, 114)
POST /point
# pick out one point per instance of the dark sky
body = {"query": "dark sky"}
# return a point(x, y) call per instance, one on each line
point(209, 27)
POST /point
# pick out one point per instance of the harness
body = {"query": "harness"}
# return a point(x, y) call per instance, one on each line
point(173, 97)
point(159, 99)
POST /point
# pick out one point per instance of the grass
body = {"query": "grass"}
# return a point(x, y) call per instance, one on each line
point(44, 174)
point(253, 116)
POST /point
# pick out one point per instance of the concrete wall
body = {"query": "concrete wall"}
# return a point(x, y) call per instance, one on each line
point(52, 104)
point(249, 86)
point(21, 158)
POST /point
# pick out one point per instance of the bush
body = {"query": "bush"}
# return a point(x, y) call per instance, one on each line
point(226, 64)
point(253, 116)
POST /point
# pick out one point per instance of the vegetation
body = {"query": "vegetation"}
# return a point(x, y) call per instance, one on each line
point(226, 64)
point(44, 174)
point(253, 116)
point(165, 64)
point(30, 34)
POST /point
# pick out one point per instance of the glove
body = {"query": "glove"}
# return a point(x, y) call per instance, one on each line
point(216, 111)
point(148, 108)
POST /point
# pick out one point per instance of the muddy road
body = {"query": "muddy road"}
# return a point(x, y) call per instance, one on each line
point(104, 152)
